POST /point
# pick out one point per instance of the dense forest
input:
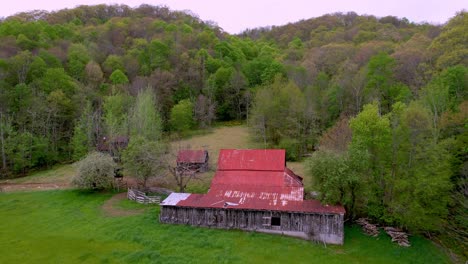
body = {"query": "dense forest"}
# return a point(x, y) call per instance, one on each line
point(379, 104)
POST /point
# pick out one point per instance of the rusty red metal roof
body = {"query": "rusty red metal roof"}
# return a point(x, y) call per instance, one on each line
point(192, 156)
point(256, 180)
point(252, 159)
point(244, 200)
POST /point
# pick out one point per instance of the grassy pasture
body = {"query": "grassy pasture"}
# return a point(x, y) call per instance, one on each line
point(69, 226)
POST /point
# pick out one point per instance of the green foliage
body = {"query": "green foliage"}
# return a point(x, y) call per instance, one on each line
point(95, 171)
point(145, 120)
point(78, 57)
point(118, 77)
point(158, 54)
point(112, 63)
point(115, 114)
point(392, 161)
point(57, 79)
point(25, 151)
point(292, 147)
point(143, 159)
point(337, 182)
point(381, 83)
point(278, 115)
point(182, 116)
point(451, 43)
point(82, 139)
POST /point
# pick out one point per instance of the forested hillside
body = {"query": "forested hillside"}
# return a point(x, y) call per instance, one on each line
point(380, 102)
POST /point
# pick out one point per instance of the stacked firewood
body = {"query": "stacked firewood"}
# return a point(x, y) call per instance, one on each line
point(368, 228)
point(398, 236)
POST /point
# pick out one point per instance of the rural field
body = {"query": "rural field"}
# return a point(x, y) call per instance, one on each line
point(71, 226)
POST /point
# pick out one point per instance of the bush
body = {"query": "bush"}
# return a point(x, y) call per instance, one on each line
point(292, 147)
point(96, 171)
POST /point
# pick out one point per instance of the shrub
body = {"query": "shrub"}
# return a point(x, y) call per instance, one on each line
point(95, 171)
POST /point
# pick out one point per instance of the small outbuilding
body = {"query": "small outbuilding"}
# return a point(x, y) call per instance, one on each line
point(192, 161)
point(113, 146)
point(254, 190)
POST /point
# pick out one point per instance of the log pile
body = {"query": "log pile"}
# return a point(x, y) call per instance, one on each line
point(398, 236)
point(368, 228)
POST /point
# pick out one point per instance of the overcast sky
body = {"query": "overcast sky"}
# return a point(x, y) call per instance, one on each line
point(236, 15)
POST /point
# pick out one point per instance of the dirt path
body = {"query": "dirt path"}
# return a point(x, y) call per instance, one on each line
point(110, 208)
point(14, 187)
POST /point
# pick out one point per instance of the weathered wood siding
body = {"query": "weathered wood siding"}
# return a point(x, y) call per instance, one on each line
point(326, 228)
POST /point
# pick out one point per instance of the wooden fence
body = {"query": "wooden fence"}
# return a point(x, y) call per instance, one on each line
point(141, 197)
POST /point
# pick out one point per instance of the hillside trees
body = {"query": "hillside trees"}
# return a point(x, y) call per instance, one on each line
point(393, 170)
point(278, 116)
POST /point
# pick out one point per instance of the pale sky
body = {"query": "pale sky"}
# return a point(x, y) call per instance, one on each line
point(236, 15)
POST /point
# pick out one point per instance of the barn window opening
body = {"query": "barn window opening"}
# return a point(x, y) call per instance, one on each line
point(276, 221)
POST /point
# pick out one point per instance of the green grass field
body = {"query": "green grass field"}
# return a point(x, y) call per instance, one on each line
point(69, 226)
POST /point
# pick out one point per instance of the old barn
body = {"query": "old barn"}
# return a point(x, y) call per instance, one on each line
point(192, 161)
point(254, 190)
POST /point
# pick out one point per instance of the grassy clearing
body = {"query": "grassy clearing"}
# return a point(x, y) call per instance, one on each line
point(59, 174)
point(69, 227)
point(233, 136)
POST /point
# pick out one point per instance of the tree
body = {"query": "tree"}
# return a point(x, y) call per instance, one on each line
point(78, 57)
point(381, 83)
point(55, 79)
point(5, 131)
point(96, 171)
point(115, 115)
point(182, 116)
point(372, 136)
point(83, 137)
point(118, 78)
point(337, 180)
point(144, 119)
point(93, 74)
point(144, 159)
point(278, 112)
point(204, 111)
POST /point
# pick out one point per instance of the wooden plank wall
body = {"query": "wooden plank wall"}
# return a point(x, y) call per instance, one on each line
point(321, 227)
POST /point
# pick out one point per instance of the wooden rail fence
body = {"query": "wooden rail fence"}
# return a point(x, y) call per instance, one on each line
point(141, 197)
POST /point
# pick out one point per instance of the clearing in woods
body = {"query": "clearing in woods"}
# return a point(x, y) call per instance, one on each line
point(226, 137)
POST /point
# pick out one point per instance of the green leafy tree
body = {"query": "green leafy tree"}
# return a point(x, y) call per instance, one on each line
point(337, 179)
point(278, 113)
point(78, 57)
point(144, 159)
point(182, 116)
point(115, 114)
point(57, 79)
point(82, 139)
point(118, 78)
point(381, 83)
point(372, 139)
point(145, 120)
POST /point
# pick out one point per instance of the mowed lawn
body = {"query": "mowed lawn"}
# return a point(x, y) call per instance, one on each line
point(69, 226)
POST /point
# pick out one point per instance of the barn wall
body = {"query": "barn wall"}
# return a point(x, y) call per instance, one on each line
point(326, 228)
